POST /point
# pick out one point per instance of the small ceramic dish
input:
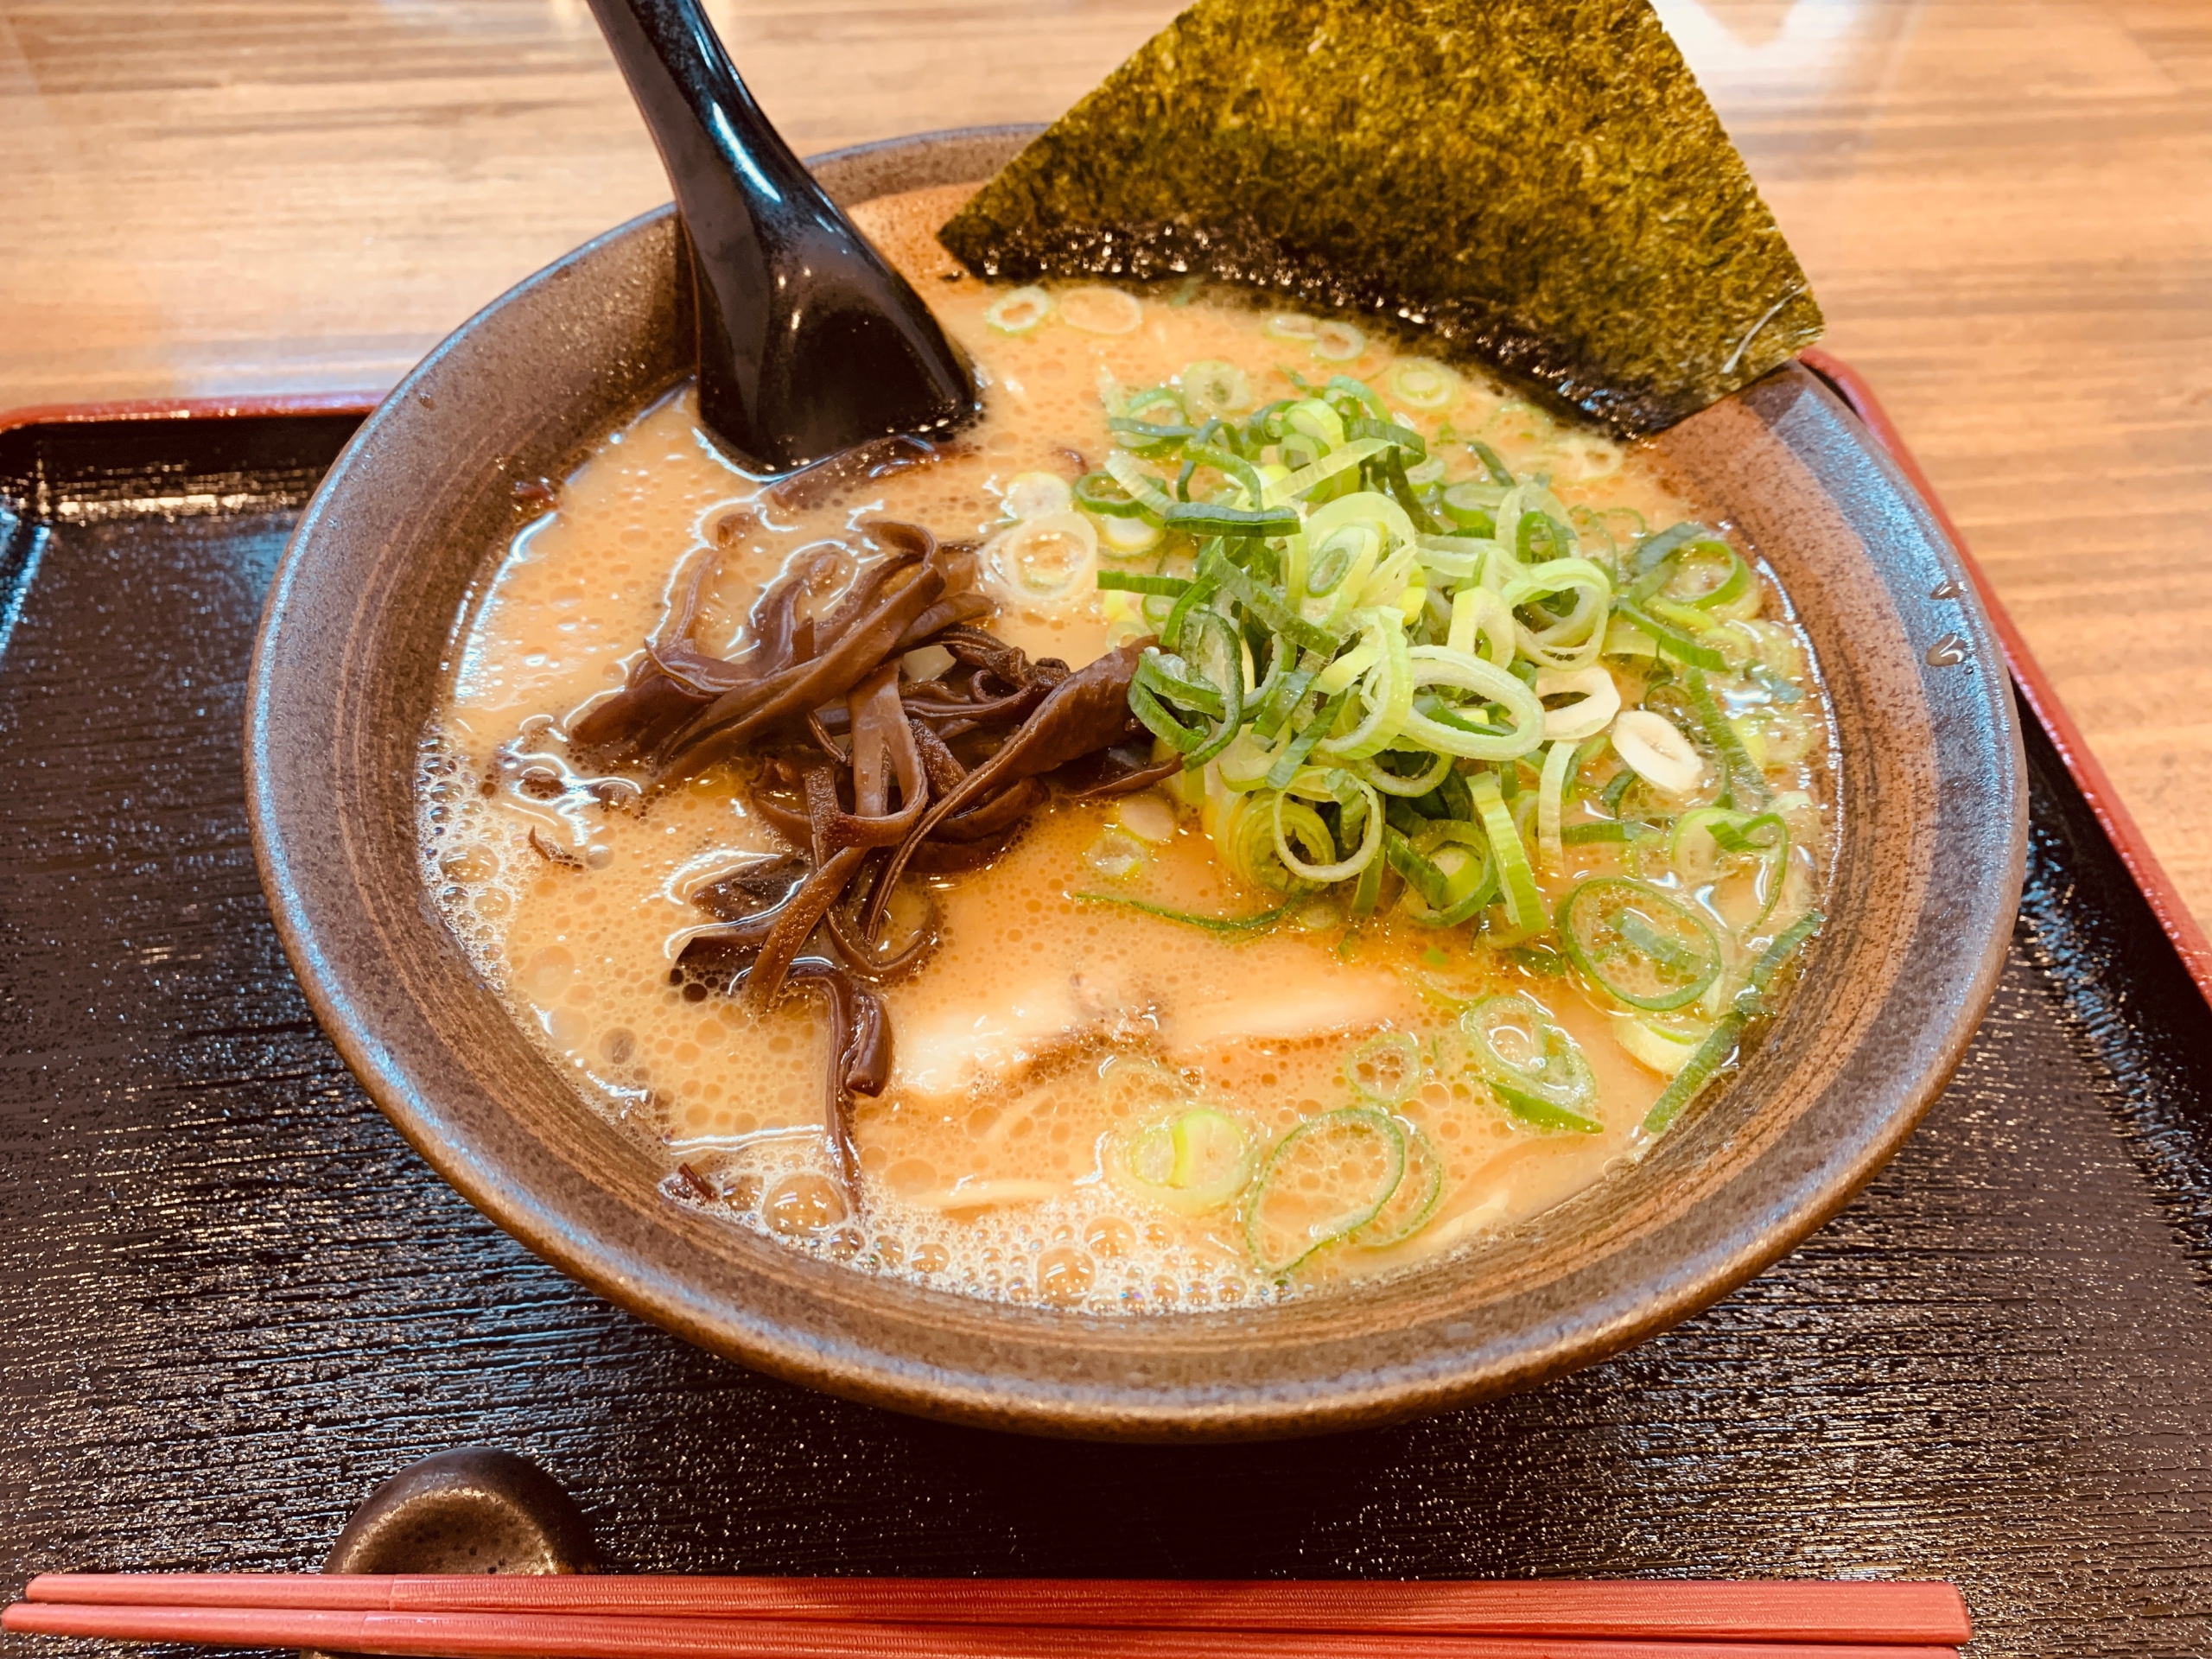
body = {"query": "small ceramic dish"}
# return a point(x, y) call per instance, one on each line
point(353, 651)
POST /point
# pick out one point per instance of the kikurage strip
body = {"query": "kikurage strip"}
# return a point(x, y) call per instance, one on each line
point(1087, 711)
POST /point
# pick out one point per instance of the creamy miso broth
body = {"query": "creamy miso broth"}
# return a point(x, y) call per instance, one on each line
point(1146, 1065)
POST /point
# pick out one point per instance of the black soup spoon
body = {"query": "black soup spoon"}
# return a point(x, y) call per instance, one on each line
point(809, 342)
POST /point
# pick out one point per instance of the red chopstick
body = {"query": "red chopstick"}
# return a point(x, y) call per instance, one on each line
point(598, 1636)
point(1787, 1611)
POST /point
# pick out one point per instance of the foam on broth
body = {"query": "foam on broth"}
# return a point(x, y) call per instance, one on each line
point(1049, 1028)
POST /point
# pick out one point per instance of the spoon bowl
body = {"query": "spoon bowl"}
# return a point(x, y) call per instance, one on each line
point(809, 342)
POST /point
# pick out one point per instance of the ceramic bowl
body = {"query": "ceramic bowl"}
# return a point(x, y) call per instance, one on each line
point(349, 664)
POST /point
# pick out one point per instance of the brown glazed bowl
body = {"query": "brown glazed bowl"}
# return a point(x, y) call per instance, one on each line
point(349, 666)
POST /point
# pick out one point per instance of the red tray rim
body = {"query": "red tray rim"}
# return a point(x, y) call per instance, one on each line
point(2034, 685)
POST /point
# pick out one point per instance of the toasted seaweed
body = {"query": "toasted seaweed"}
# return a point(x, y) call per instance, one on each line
point(1542, 183)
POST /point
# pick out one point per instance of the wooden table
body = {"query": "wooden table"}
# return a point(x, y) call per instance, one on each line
point(2005, 206)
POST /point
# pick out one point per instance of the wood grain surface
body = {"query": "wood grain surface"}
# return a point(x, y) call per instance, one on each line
point(2005, 206)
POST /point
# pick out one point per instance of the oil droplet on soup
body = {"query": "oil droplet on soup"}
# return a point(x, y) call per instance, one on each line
point(1084, 1097)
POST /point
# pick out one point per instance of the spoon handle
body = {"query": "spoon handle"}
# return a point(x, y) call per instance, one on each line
point(809, 342)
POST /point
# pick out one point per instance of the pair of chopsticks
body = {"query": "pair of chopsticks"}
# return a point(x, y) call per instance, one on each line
point(618, 1617)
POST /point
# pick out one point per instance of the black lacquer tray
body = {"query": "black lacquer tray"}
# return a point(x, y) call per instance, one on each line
point(234, 1300)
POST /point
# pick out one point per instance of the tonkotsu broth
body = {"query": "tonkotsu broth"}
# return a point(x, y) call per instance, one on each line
point(1048, 1028)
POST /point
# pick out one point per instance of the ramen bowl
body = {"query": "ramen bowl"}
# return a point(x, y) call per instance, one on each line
point(354, 650)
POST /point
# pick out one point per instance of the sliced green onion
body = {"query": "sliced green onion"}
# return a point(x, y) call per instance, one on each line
point(1167, 675)
point(1393, 652)
point(1295, 819)
point(1211, 518)
point(1652, 749)
point(1322, 1181)
point(1156, 397)
point(1457, 878)
point(1213, 387)
point(1192, 1163)
point(1423, 382)
point(1670, 640)
point(1142, 487)
point(1343, 386)
point(1340, 460)
point(1272, 709)
point(1480, 617)
point(1785, 946)
point(1386, 1069)
point(1493, 463)
point(1244, 832)
point(1639, 934)
point(1532, 1065)
point(1044, 560)
point(1225, 924)
point(1348, 668)
point(1151, 439)
point(1700, 1069)
point(1126, 538)
point(1272, 611)
point(1020, 311)
point(1773, 684)
point(1734, 583)
point(1604, 831)
point(1558, 760)
point(1434, 769)
point(1641, 946)
point(1032, 495)
point(1593, 457)
point(1102, 493)
point(1386, 688)
point(1441, 665)
point(1663, 1049)
point(1337, 342)
point(1367, 890)
point(1412, 1206)
point(1575, 639)
point(1161, 721)
point(1229, 465)
point(1473, 508)
point(1200, 593)
point(1097, 310)
point(1115, 855)
point(1717, 1049)
point(1401, 490)
point(1538, 537)
point(1218, 652)
point(1700, 835)
point(1746, 784)
point(1524, 906)
point(1128, 581)
point(1598, 699)
point(1419, 874)
point(1654, 550)
point(1163, 685)
point(1433, 707)
point(1379, 425)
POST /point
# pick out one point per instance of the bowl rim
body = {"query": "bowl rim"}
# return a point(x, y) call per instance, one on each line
point(1659, 1298)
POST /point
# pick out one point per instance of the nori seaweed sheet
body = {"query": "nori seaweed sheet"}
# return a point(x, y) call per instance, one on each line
point(1542, 183)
